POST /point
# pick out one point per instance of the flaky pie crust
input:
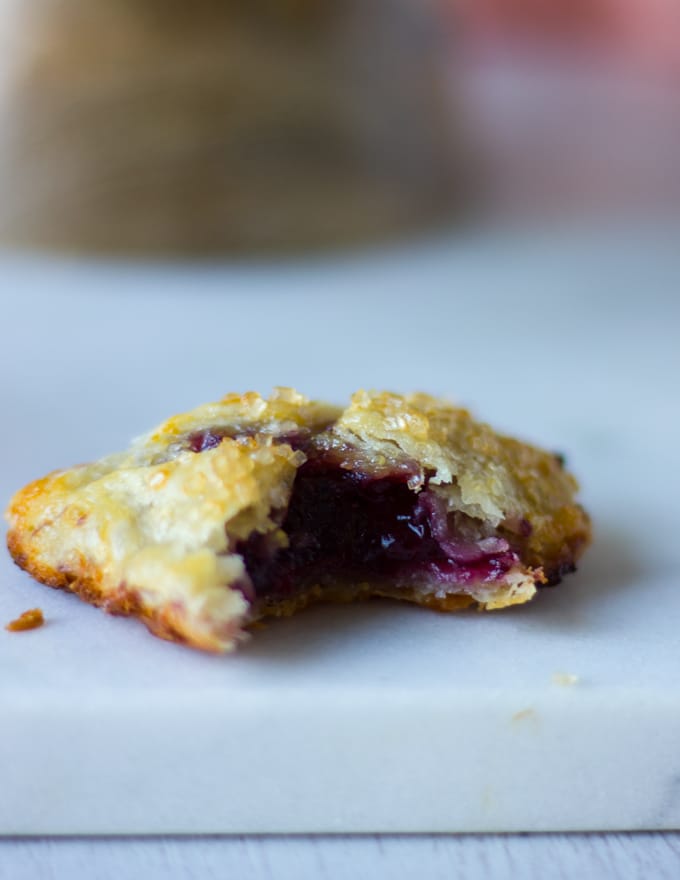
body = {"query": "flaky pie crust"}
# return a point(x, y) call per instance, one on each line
point(151, 532)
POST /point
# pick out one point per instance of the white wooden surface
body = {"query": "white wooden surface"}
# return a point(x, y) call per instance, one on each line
point(525, 857)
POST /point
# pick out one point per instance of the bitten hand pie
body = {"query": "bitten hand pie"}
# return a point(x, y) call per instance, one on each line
point(251, 507)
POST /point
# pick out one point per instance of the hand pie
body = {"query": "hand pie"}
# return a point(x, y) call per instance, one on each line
point(251, 507)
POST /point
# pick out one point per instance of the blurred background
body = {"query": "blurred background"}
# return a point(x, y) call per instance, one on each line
point(232, 194)
point(415, 194)
point(226, 127)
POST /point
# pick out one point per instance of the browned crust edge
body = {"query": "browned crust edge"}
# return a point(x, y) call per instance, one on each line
point(360, 593)
point(168, 622)
point(165, 622)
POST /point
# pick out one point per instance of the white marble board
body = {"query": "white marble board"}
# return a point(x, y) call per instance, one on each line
point(561, 715)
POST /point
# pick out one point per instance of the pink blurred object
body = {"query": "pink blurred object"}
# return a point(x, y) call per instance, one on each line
point(575, 105)
point(641, 33)
point(559, 140)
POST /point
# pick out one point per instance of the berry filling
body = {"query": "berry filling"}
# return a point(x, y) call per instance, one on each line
point(200, 441)
point(345, 526)
point(346, 523)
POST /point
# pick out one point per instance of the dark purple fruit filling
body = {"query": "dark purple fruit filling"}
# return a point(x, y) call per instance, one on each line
point(200, 441)
point(348, 525)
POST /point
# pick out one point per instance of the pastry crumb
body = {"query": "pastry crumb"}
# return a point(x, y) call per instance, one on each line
point(565, 679)
point(527, 714)
point(31, 619)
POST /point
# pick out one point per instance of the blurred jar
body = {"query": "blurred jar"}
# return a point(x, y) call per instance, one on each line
point(163, 126)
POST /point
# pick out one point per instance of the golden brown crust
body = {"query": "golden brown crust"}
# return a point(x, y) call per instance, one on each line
point(154, 532)
point(346, 593)
point(31, 619)
point(167, 621)
point(479, 471)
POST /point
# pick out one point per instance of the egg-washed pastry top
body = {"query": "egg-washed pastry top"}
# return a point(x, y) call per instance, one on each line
point(250, 507)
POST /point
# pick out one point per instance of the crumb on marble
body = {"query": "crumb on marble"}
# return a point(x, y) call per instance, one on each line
point(31, 619)
point(565, 679)
point(527, 714)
